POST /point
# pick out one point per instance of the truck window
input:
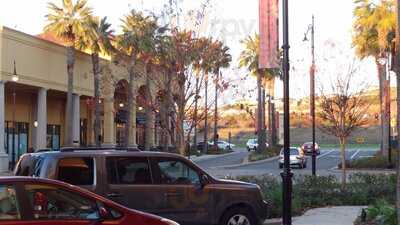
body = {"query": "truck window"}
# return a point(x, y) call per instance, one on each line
point(76, 171)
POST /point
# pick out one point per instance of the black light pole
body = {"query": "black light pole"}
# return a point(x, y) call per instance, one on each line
point(15, 80)
point(311, 28)
point(286, 174)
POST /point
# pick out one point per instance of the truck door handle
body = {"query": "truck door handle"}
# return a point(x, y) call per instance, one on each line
point(173, 194)
point(114, 195)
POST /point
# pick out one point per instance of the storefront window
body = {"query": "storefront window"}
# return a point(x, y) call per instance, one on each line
point(53, 137)
point(19, 135)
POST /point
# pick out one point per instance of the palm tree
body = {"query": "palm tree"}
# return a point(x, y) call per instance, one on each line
point(138, 43)
point(223, 60)
point(249, 59)
point(201, 47)
point(97, 40)
point(374, 27)
point(207, 65)
point(68, 22)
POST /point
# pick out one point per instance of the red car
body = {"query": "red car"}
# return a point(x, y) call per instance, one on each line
point(34, 201)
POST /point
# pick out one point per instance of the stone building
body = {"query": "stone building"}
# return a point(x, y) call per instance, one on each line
point(33, 107)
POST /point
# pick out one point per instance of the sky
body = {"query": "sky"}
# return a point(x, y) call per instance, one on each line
point(231, 21)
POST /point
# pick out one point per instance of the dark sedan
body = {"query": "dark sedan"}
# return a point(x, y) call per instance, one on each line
point(308, 146)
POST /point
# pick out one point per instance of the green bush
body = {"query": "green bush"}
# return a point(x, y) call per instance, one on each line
point(313, 192)
point(382, 213)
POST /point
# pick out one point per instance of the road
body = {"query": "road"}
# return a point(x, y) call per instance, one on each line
point(230, 165)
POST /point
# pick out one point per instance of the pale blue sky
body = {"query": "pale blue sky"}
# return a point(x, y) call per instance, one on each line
point(232, 20)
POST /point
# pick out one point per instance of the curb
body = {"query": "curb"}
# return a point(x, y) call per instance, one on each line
point(337, 170)
point(246, 163)
point(200, 158)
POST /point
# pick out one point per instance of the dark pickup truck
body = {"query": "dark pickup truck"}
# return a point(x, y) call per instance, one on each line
point(164, 184)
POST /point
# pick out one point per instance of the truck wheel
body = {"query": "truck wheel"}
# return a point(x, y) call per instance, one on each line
point(238, 216)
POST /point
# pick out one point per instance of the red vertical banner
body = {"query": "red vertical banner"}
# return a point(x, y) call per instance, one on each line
point(269, 34)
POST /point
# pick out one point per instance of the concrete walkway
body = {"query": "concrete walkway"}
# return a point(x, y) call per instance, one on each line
point(345, 215)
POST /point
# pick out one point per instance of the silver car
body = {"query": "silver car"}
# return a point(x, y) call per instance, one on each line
point(297, 158)
point(252, 144)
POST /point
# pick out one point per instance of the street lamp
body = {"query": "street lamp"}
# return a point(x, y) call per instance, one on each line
point(311, 28)
point(15, 79)
point(286, 174)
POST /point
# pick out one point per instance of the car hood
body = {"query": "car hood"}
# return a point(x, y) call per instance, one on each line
point(235, 182)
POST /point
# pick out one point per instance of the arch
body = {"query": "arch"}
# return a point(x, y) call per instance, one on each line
point(121, 110)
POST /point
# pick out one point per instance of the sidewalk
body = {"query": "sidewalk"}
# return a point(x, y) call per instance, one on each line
point(5, 174)
point(344, 215)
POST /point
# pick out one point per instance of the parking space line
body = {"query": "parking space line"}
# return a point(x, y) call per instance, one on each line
point(355, 154)
point(327, 153)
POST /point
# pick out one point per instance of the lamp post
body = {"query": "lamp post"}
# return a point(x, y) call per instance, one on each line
point(311, 28)
point(286, 174)
point(15, 79)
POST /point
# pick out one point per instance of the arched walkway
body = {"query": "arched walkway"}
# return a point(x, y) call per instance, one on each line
point(121, 111)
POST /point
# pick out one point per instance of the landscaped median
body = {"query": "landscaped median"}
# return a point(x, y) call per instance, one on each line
point(314, 192)
point(268, 153)
point(376, 162)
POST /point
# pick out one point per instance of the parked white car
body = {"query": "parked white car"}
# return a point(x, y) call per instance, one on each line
point(252, 144)
point(223, 145)
point(297, 158)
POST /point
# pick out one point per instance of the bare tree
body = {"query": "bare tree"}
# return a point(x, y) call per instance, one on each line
point(342, 111)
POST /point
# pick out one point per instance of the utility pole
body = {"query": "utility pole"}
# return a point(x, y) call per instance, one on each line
point(216, 112)
point(312, 101)
point(311, 28)
point(205, 147)
point(286, 174)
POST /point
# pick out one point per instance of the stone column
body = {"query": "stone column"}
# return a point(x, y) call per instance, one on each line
point(76, 120)
point(132, 127)
point(108, 126)
point(3, 155)
point(41, 118)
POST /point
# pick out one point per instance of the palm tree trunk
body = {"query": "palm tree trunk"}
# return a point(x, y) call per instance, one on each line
point(149, 118)
point(69, 110)
point(382, 95)
point(216, 112)
point(96, 77)
point(260, 127)
point(205, 146)
point(195, 113)
point(343, 159)
point(130, 103)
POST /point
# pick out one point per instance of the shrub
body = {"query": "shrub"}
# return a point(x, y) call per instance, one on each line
point(312, 192)
point(378, 161)
point(382, 213)
point(268, 153)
